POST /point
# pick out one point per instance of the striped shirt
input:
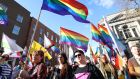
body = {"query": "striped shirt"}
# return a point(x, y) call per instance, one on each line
point(5, 71)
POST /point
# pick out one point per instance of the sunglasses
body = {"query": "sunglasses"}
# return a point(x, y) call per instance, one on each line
point(78, 55)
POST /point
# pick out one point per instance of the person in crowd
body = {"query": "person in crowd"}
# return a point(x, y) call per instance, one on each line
point(85, 70)
point(125, 67)
point(23, 74)
point(108, 67)
point(134, 62)
point(17, 69)
point(63, 70)
point(101, 67)
point(5, 68)
point(38, 71)
point(50, 71)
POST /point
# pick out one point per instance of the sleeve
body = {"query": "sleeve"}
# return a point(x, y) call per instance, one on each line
point(70, 72)
point(97, 72)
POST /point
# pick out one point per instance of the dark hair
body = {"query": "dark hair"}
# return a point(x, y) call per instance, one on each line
point(124, 56)
point(136, 45)
point(6, 57)
point(80, 51)
point(41, 53)
point(105, 58)
point(65, 57)
point(1, 49)
point(64, 71)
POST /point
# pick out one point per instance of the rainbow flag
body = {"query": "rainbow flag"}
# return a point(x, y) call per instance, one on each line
point(3, 17)
point(105, 33)
point(118, 62)
point(97, 53)
point(67, 7)
point(72, 38)
point(76, 9)
point(96, 35)
point(94, 57)
point(54, 6)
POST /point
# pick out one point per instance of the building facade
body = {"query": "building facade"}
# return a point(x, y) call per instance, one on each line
point(21, 27)
point(18, 22)
point(40, 31)
point(126, 26)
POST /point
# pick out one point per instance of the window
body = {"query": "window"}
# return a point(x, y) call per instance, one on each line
point(52, 37)
point(47, 34)
point(4, 7)
point(134, 31)
point(41, 30)
point(127, 33)
point(16, 30)
point(33, 27)
point(19, 18)
point(121, 35)
point(40, 40)
point(56, 40)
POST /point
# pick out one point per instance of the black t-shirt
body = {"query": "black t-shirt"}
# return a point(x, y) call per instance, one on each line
point(88, 72)
point(68, 75)
point(82, 73)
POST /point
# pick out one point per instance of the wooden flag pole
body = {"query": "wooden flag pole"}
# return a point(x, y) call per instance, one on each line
point(32, 38)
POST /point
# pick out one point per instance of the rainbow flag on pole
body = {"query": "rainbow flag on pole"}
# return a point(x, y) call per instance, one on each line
point(72, 38)
point(67, 7)
point(105, 33)
point(3, 17)
point(96, 35)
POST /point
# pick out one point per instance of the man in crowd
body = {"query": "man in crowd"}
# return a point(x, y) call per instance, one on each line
point(5, 68)
point(134, 62)
point(85, 70)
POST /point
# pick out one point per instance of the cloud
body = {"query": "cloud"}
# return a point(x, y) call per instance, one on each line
point(90, 2)
point(105, 3)
point(90, 11)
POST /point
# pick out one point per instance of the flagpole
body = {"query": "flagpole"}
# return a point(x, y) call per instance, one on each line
point(113, 38)
point(32, 38)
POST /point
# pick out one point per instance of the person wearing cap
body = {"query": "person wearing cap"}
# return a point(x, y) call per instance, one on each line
point(134, 62)
point(85, 70)
point(5, 68)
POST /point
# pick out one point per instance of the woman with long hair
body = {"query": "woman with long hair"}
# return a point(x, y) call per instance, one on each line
point(63, 70)
point(39, 69)
point(108, 67)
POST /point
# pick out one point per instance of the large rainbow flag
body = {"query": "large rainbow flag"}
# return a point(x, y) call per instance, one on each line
point(67, 7)
point(3, 17)
point(72, 38)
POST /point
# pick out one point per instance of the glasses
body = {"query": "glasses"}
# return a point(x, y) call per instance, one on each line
point(78, 55)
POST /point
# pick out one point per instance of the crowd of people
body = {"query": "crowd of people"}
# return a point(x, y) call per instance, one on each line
point(80, 69)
